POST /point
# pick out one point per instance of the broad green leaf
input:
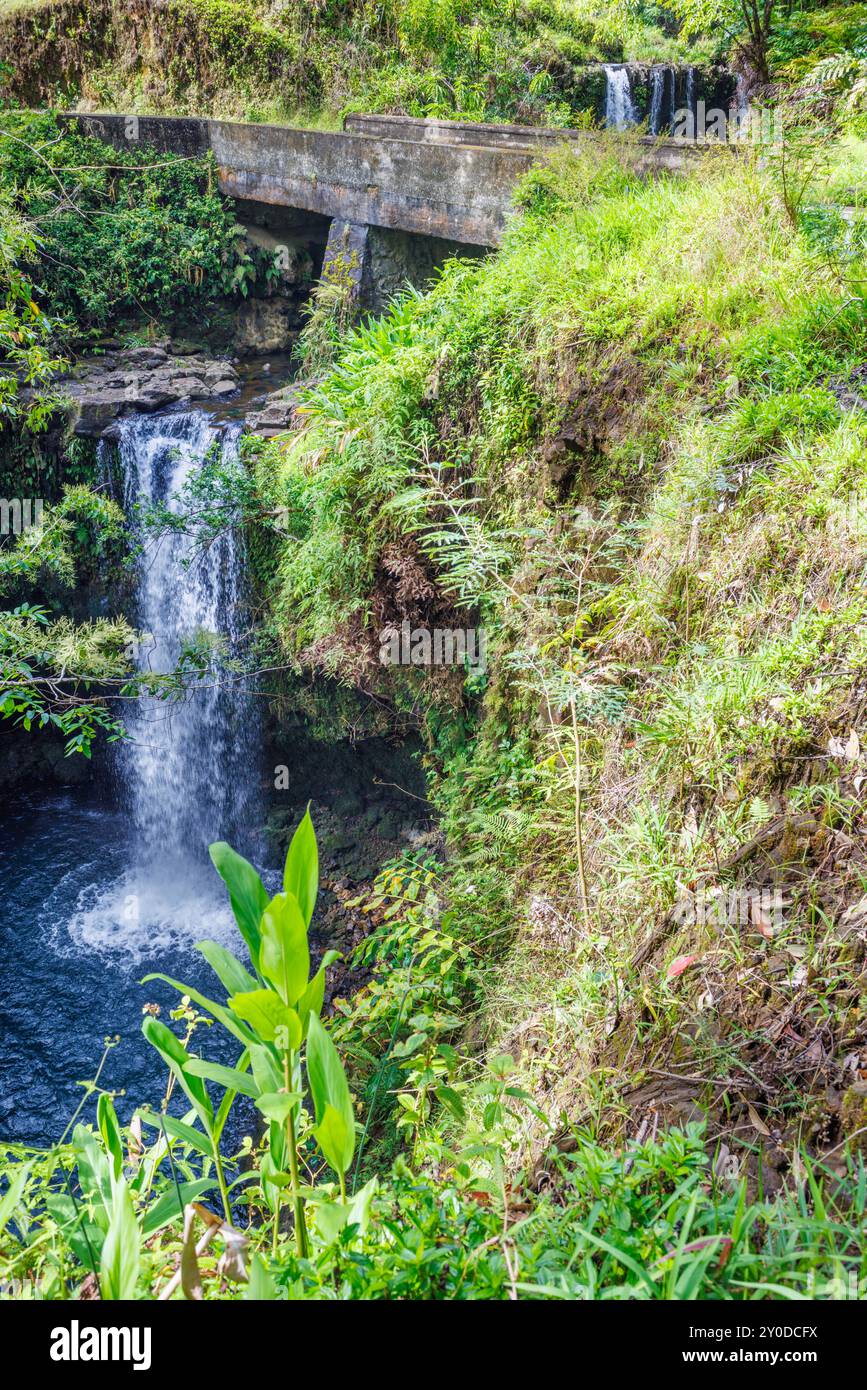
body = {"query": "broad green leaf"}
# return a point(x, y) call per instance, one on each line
point(168, 1208)
point(228, 1100)
point(261, 1286)
point(314, 995)
point(276, 1105)
point(335, 1121)
point(270, 1176)
point(333, 1217)
point(94, 1174)
point(277, 1145)
point(452, 1101)
point(119, 1265)
point(228, 969)
point(284, 956)
point(301, 872)
point(336, 1139)
point(278, 1177)
point(84, 1238)
point(246, 893)
point(262, 1009)
point(179, 1129)
point(110, 1131)
point(177, 1059)
point(12, 1195)
point(265, 1069)
point(230, 1077)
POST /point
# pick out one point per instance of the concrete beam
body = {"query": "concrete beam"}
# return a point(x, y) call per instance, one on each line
point(453, 192)
point(445, 179)
point(652, 152)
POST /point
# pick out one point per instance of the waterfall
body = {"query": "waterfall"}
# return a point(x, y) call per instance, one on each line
point(186, 770)
point(619, 108)
point(740, 113)
point(690, 94)
point(187, 773)
point(657, 96)
point(691, 104)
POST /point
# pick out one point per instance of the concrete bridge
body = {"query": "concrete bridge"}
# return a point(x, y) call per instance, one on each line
point(373, 189)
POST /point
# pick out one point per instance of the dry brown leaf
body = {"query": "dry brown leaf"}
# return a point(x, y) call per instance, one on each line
point(757, 1122)
point(191, 1279)
point(232, 1263)
point(760, 920)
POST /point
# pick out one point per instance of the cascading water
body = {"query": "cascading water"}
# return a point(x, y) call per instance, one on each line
point(673, 101)
point(690, 96)
point(187, 772)
point(96, 896)
point(692, 132)
point(740, 111)
point(619, 107)
point(657, 97)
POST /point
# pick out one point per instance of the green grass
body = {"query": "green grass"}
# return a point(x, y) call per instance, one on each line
point(245, 58)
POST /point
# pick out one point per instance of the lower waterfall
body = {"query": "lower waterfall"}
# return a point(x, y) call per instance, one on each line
point(188, 771)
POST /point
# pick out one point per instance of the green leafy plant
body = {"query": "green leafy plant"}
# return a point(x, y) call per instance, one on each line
point(274, 1013)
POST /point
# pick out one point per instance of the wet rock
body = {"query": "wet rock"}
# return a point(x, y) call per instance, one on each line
point(185, 347)
point(266, 325)
point(141, 380)
point(851, 391)
point(347, 805)
point(277, 414)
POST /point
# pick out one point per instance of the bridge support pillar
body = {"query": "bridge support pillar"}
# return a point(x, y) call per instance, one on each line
point(347, 260)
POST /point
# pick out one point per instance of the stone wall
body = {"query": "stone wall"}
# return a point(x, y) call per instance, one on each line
point(398, 259)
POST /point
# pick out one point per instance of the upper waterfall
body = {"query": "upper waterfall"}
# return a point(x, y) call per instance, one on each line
point(619, 106)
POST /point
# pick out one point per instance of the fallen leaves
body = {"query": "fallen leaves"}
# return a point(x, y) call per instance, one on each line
point(231, 1264)
point(757, 1122)
point(848, 749)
